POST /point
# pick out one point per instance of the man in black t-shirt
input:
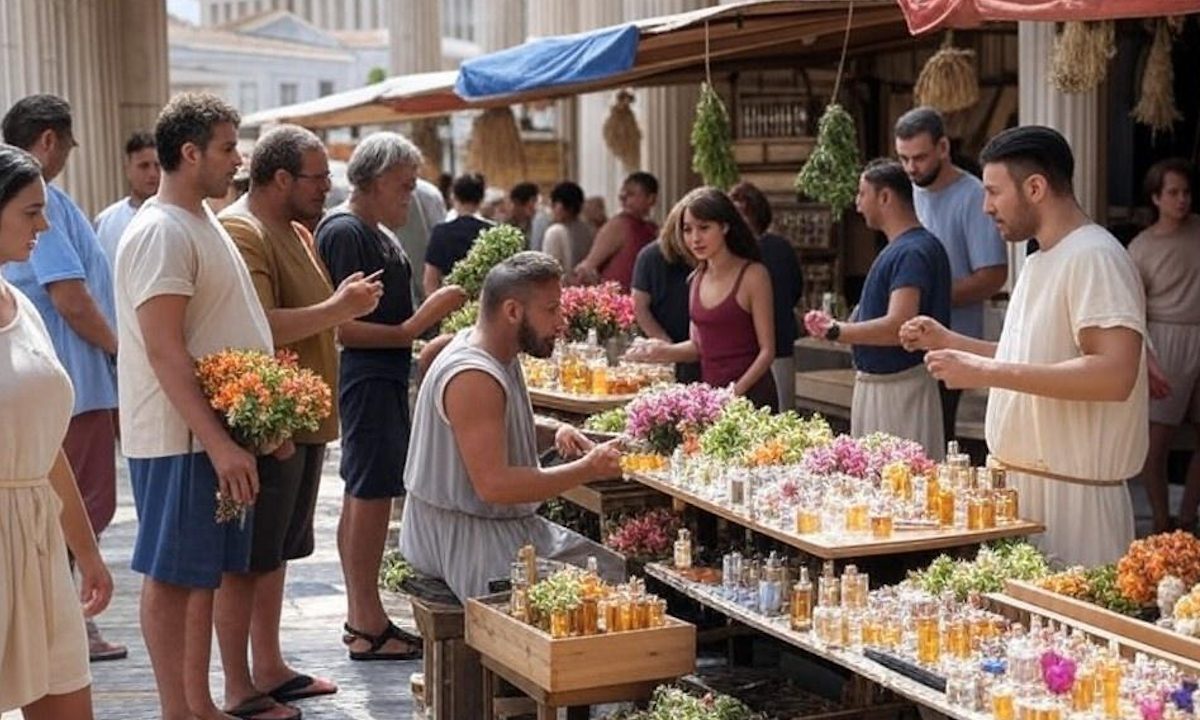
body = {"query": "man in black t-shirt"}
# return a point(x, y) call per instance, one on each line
point(452, 240)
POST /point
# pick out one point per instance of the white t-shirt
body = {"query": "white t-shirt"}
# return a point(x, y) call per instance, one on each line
point(1086, 280)
point(169, 251)
point(111, 223)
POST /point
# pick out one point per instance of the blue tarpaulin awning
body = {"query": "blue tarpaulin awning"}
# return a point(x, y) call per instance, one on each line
point(550, 62)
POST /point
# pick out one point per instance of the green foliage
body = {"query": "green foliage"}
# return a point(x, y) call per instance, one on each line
point(376, 75)
point(670, 703)
point(712, 141)
point(393, 571)
point(493, 246)
point(561, 591)
point(1103, 590)
point(612, 421)
point(986, 573)
point(831, 173)
point(464, 317)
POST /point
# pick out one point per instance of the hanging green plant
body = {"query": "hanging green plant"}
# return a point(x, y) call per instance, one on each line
point(831, 173)
point(712, 141)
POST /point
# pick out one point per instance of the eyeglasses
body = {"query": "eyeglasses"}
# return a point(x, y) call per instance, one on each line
point(319, 177)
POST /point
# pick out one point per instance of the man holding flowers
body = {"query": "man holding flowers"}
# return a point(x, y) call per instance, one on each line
point(183, 292)
point(289, 179)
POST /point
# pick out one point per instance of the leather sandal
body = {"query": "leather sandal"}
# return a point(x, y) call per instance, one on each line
point(391, 632)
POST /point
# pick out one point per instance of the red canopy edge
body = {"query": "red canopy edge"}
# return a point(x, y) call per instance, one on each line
point(924, 16)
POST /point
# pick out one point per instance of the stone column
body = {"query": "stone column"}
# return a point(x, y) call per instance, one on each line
point(1076, 116)
point(499, 24)
point(143, 64)
point(415, 35)
point(665, 115)
point(598, 170)
point(547, 18)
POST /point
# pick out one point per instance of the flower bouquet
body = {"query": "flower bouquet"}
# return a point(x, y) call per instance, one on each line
point(644, 537)
point(661, 418)
point(866, 457)
point(601, 307)
point(263, 400)
point(1151, 559)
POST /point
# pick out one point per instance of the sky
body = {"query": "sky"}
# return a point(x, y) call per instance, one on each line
point(186, 9)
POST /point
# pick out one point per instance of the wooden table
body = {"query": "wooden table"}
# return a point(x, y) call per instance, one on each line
point(844, 547)
point(575, 404)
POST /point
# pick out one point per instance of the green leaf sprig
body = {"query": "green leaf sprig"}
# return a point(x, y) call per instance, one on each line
point(493, 246)
point(562, 590)
point(831, 173)
point(464, 317)
point(992, 566)
point(712, 141)
point(612, 421)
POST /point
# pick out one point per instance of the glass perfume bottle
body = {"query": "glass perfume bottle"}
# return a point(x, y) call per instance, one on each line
point(770, 587)
point(802, 602)
point(683, 550)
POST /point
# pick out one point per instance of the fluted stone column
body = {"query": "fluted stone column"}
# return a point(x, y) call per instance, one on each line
point(83, 51)
point(598, 171)
point(500, 24)
point(547, 18)
point(665, 115)
point(415, 34)
point(1076, 116)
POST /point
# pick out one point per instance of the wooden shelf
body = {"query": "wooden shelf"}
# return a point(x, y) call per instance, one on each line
point(843, 547)
point(576, 404)
point(778, 628)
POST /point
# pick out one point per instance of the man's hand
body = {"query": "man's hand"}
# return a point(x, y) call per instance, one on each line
point(570, 443)
point(817, 323)
point(95, 585)
point(1160, 385)
point(924, 333)
point(358, 295)
point(959, 370)
point(604, 460)
point(237, 472)
point(446, 300)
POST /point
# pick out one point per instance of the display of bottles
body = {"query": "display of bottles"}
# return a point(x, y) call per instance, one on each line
point(802, 602)
point(683, 550)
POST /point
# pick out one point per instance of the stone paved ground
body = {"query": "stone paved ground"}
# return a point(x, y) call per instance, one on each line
point(314, 608)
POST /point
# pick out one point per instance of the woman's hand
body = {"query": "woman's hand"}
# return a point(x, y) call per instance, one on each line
point(651, 350)
point(95, 586)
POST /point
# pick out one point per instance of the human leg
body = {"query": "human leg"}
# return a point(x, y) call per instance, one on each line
point(76, 705)
point(362, 533)
point(1191, 488)
point(1154, 477)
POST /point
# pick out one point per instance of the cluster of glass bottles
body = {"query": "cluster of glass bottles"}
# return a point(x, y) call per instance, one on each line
point(598, 608)
point(582, 368)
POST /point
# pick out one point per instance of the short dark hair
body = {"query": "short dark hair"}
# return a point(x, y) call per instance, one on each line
point(569, 195)
point(18, 169)
point(281, 148)
point(887, 174)
point(921, 120)
point(189, 118)
point(33, 115)
point(1156, 176)
point(138, 141)
point(522, 193)
point(512, 278)
point(648, 182)
point(1033, 150)
point(469, 188)
point(710, 203)
point(758, 208)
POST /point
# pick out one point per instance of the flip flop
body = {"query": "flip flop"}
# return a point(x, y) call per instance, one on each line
point(264, 707)
point(391, 632)
point(301, 687)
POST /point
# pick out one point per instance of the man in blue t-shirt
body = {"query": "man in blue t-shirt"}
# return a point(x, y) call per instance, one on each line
point(69, 281)
point(910, 277)
point(949, 202)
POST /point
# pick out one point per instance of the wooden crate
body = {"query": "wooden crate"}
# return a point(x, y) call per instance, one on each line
point(576, 404)
point(1123, 626)
point(580, 663)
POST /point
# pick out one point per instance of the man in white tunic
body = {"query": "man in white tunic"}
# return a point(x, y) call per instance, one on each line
point(1067, 411)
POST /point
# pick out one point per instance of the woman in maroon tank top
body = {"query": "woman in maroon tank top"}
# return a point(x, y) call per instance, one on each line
point(731, 306)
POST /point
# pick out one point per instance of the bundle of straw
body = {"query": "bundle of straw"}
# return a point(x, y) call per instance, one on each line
point(948, 81)
point(1081, 53)
point(495, 148)
point(425, 137)
point(1156, 106)
point(622, 134)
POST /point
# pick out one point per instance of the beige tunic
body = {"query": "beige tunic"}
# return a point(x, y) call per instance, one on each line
point(43, 645)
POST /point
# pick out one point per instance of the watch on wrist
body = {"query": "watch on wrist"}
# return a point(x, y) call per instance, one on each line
point(833, 332)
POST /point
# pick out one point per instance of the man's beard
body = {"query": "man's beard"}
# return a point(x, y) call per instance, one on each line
point(928, 178)
point(531, 344)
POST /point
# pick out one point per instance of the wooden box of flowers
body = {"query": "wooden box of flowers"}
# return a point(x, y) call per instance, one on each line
point(1150, 597)
point(571, 631)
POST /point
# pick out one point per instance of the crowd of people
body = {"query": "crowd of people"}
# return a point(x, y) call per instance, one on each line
point(101, 323)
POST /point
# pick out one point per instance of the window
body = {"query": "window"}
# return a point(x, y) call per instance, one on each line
point(324, 87)
point(248, 97)
point(288, 93)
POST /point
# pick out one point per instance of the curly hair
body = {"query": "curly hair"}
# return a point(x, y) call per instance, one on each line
point(189, 118)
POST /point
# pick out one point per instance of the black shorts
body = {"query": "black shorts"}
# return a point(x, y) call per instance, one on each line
point(283, 513)
point(375, 429)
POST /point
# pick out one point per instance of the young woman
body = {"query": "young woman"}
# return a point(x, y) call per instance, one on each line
point(730, 304)
point(43, 645)
point(1167, 255)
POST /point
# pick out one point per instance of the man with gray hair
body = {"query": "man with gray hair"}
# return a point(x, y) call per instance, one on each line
point(472, 472)
point(375, 362)
point(289, 179)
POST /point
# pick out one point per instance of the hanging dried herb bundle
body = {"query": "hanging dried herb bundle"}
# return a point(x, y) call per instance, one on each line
point(948, 81)
point(622, 134)
point(831, 173)
point(495, 148)
point(1156, 106)
point(1079, 61)
point(712, 141)
point(425, 137)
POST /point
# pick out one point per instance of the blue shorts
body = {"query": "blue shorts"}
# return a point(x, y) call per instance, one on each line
point(178, 538)
point(375, 429)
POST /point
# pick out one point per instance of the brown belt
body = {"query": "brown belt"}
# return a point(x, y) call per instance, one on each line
point(1005, 465)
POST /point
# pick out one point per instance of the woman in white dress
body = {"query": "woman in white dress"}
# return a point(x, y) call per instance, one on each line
point(43, 645)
